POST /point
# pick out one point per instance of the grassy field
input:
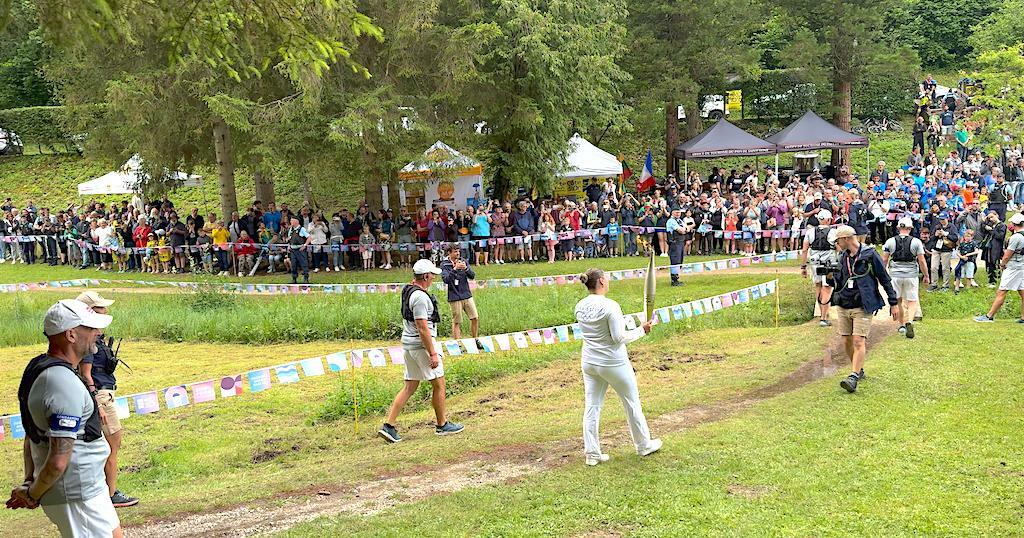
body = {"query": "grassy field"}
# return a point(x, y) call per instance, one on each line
point(927, 447)
point(254, 446)
point(221, 317)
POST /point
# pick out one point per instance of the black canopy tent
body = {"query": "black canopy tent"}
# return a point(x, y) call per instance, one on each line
point(723, 139)
point(810, 132)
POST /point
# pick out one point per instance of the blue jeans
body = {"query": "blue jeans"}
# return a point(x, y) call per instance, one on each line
point(675, 257)
point(629, 243)
point(300, 259)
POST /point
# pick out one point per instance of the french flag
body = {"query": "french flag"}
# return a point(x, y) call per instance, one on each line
point(646, 180)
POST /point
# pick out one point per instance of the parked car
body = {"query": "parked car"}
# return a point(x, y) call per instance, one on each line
point(10, 143)
point(712, 108)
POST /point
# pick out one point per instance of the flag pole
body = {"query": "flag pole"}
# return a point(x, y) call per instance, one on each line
point(355, 401)
point(777, 297)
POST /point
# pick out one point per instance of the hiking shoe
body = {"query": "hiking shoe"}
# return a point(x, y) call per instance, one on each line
point(652, 447)
point(594, 460)
point(910, 330)
point(389, 433)
point(861, 376)
point(850, 383)
point(449, 428)
point(121, 500)
point(902, 329)
point(676, 283)
point(824, 323)
point(1020, 321)
point(984, 319)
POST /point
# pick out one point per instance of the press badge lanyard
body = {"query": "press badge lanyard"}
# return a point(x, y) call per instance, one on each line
point(850, 266)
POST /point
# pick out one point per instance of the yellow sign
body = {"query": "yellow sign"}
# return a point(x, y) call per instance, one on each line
point(735, 100)
point(570, 186)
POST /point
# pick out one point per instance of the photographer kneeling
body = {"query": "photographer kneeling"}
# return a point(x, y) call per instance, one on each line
point(861, 270)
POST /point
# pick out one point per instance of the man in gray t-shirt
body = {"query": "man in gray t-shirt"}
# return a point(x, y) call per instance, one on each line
point(65, 472)
point(904, 256)
point(422, 359)
point(1012, 263)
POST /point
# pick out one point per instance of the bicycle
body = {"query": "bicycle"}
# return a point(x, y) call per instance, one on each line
point(875, 126)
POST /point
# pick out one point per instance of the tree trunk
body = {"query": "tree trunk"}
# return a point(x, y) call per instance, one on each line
point(371, 189)
point(264, 185)
point(671, 138)
point(307, 190)
point(694, 125)
point(225, 167)
point(842, 110)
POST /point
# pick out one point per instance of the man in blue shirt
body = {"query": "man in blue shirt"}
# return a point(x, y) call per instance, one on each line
point(272, 218)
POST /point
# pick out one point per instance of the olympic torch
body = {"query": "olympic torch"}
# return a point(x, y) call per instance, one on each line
point(650, 283)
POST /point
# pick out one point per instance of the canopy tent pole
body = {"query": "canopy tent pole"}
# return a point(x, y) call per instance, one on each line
point(776, 165)
point(868, 173)
point(686, 173)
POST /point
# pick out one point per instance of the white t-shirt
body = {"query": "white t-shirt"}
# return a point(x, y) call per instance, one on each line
point(1016, 244)
point(604, 331)
point(422, 308)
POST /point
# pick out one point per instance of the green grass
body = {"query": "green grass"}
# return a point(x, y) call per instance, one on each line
point(257, 445)
point(301, 318)
point(912, 453)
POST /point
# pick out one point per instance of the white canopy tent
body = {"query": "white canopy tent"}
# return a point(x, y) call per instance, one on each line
point(127, 179)
point(587, 160)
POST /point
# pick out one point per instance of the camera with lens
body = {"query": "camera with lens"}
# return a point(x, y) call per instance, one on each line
point(827, 268)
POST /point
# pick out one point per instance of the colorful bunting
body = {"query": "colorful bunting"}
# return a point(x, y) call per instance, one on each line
point(312, 367)
point(175, 397)
point(230, 386)
point(203, 392)
point(287, 373)
point(259, 380)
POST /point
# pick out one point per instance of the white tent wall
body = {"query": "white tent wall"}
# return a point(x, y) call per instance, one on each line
point(587, 160)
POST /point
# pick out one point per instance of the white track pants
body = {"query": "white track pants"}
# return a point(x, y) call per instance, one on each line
point(595, 384)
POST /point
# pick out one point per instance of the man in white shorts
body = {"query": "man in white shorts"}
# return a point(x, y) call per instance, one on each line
point(1012, 263)
point(904, 257)
point(420, 317)
point(819, 250)
point(64, 473)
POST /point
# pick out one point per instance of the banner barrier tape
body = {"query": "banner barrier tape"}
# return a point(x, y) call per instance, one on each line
point(261, 379)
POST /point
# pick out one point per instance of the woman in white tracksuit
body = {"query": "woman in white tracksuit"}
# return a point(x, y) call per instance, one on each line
point(605, 363)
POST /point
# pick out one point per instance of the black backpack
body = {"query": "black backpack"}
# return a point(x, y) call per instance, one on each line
point(903, 252)
point(34, 369)
point(407, 315)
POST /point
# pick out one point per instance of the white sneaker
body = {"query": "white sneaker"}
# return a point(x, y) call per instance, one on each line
point(317, 270)
point(336, 269)
point(652, 447)
point(594, 460)
point(239, 273)
point(327, 269)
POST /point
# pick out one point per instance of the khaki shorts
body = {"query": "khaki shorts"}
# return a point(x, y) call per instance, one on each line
point(105, 400)
point(907, 288)
point(458, 307)
point(854, 321)
point(417, 366)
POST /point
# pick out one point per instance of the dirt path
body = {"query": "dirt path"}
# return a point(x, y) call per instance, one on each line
point(474, 470)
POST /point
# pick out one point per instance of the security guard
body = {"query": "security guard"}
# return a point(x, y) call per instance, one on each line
point(676, 241)
point(820, 251)
point(298, 242)
point(97, 370)
point(861, 271)
point(64, 445)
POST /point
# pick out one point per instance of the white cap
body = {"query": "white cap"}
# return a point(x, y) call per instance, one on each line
point(69, 313)
point(905, 222)
point(1017, 219)
point(817, 195)
point(425, 266)
point(91, 298)
point(824, 214)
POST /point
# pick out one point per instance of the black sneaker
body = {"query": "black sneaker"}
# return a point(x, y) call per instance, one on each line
point(910, 330)
point(389, 433)
point(861, 376)
point(850, 383)
point(121, 500)
point(676, 283)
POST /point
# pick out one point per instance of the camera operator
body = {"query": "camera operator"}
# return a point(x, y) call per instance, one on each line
point(861, 270)
point(820, 253)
